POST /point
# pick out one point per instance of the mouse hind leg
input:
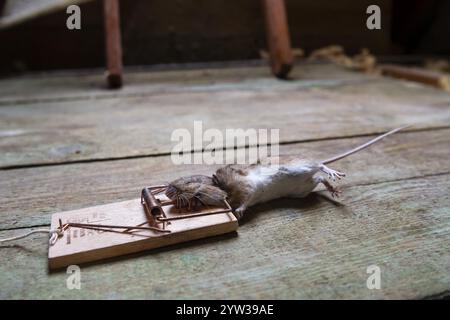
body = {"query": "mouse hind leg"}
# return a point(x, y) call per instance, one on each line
point(332, 174)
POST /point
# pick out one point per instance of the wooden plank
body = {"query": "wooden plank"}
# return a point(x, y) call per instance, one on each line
point(89, 84)
point(58, 132)
point(28, 196)
point(289, 249)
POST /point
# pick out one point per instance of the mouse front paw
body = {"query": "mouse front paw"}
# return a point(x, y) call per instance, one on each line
point(335, 192)
point(239, 212)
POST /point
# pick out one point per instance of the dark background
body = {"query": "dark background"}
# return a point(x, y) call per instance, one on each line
point(180, 31)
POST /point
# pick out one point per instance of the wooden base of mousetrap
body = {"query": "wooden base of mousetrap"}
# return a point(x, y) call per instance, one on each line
point(80, 245)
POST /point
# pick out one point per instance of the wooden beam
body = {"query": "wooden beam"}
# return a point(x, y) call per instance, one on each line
point(277, 30)
point(113, 43)
point(429, 77)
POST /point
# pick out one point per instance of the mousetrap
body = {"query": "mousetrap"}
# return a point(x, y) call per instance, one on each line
point(115, 229)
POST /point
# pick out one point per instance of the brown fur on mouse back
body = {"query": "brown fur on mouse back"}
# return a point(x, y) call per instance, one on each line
point(231, 178)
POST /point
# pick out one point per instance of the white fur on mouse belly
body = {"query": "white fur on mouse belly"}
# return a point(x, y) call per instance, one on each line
point(273, 182)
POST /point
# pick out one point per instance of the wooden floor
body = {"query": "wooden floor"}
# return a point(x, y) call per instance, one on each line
point(67, 143)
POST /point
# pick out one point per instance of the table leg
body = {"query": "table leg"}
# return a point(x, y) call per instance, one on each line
point(277, 30)
point(113, 43)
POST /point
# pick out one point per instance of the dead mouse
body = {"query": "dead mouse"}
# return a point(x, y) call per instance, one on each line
point(248, 185)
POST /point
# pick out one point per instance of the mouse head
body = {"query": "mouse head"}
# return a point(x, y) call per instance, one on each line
point(176, 190)
point(191, 190)
point(182, 190)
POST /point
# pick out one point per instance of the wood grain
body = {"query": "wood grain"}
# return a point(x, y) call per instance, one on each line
point(285, 250)
point(55, 132)
point(28, 196)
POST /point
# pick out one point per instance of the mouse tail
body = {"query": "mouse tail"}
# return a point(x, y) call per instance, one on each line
point(363, 146)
